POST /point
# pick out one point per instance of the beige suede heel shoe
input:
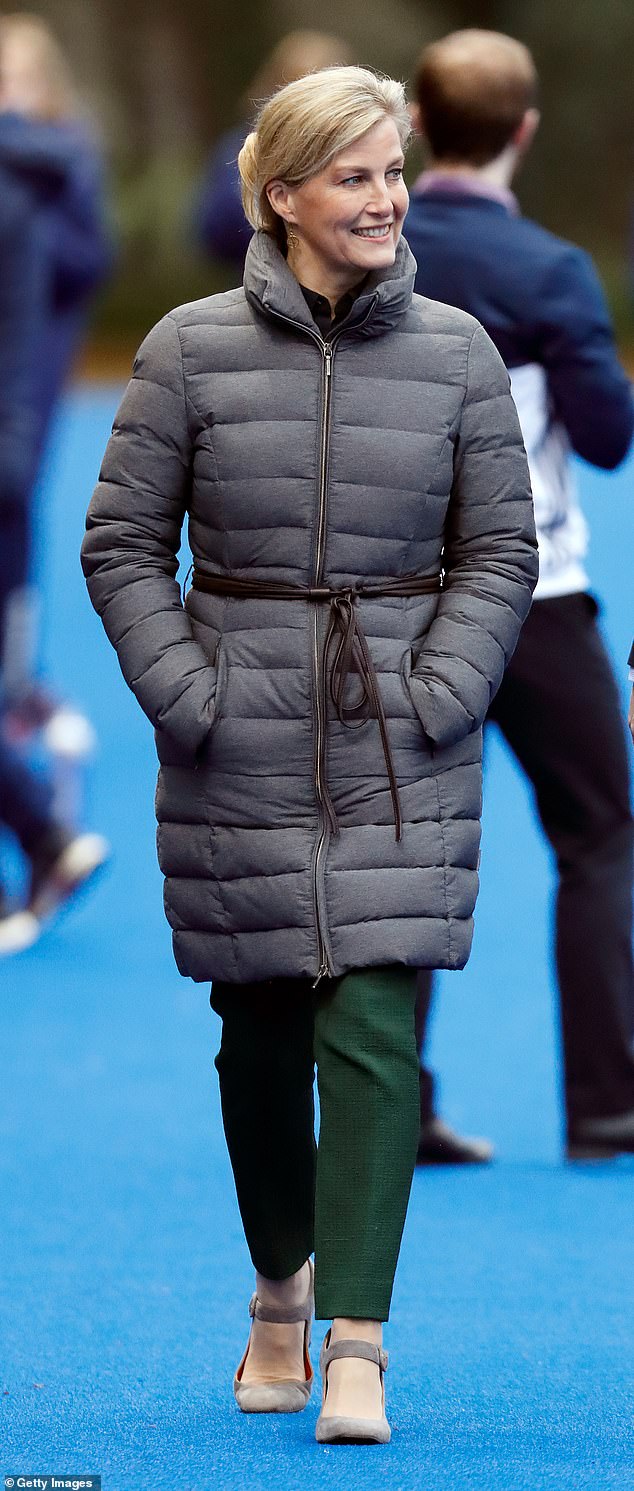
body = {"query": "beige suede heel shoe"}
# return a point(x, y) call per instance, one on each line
point(338, 1428)
point(286, 1394)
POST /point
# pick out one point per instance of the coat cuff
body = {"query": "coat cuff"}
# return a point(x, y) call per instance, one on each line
point(443, 718)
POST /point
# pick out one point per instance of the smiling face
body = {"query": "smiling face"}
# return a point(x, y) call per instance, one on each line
point(347, 220)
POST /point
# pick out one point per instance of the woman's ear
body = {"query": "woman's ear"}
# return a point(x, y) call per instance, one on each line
point(281, 200)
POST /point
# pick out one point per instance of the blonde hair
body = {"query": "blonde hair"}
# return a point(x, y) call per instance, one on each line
point(50, 72)
point(304, 126)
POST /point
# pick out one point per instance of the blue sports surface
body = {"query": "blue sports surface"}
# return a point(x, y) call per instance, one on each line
point(123, 1274)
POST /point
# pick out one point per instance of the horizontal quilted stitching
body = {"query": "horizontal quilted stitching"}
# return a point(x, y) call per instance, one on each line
point(220, 426)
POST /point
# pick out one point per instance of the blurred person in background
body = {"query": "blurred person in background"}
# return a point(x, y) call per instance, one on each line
point(225, 231)
point(327, 436)
point(219, 221)
point(49, 149)
point(59, 859)
point(558, 708)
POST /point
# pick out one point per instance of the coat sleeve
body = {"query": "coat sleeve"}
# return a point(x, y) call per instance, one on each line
point(133, 534)
point(490, 558)
point(78, 242)
point(23, 286)
point(61, 166)
point(591, 393)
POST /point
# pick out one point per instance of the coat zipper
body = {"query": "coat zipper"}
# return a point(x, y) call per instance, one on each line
point(327, 351)
point(324, 966)
point(323, 472)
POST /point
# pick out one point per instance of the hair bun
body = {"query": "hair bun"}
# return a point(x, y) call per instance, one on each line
point(249, 176)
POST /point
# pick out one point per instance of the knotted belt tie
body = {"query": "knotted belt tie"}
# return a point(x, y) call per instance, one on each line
point(351, 652)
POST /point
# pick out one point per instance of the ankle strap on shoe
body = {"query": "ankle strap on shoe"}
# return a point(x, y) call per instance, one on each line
point(360, 1349)
point(277, 1315)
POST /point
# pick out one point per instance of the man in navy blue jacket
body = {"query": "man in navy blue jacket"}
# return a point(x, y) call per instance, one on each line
point(540, 300)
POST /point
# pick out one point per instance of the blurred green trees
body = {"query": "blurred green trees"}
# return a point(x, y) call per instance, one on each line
point(162, 80)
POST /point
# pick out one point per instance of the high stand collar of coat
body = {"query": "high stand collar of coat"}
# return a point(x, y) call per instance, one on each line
point(272, 290)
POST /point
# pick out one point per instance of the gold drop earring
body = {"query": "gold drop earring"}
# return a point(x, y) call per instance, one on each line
point(291, 236)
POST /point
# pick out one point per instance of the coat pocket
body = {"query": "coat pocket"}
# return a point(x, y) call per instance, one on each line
point(169, 751)
point(220, 664)
point(204, 752)
point(443, 717)
point(406, 676)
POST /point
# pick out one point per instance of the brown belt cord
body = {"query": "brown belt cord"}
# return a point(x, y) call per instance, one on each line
point(352, 652)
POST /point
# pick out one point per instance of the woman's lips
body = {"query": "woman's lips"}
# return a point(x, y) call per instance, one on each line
point(376, 233)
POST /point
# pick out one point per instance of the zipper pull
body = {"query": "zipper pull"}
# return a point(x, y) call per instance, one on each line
point(328, 358)
point(323, 973)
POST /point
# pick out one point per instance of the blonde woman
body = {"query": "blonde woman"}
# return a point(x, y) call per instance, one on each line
point(364, 554)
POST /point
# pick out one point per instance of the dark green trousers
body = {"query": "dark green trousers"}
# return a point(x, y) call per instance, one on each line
point(344, 1199)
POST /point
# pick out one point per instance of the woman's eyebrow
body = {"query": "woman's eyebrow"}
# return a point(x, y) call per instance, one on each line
point(351, 170)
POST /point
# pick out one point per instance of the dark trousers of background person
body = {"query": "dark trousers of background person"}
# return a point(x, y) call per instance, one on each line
point(16, 619)
point(25, 802)
point(560, 711)
point(346, 1198)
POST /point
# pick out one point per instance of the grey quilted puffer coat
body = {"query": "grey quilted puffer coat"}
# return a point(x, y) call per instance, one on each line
point(393, 451)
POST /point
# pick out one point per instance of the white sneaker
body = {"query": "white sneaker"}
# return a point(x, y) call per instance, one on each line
point(18, 930)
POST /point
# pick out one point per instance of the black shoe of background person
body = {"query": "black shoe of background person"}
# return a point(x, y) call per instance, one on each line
point(601, 1138)
point(61, 864)
point(440, 1145)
